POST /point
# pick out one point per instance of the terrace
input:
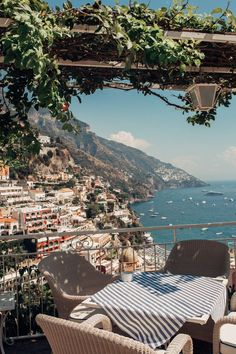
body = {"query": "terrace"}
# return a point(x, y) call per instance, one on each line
point(105, 68)
point(32, 295)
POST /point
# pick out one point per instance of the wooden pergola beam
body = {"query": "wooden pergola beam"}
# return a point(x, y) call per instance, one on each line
point(185, 34)
point(121, 65)
point(198, 36)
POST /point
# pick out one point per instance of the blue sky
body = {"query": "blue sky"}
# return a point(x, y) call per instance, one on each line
point(159, 130)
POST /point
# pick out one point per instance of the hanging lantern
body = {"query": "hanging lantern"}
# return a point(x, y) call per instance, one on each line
point(203, 96)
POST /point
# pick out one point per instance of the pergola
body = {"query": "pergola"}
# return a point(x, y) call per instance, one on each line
point(217, 67)
point(122, 47)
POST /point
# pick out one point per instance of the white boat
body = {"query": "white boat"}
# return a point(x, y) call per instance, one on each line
point(141, 214)
point(190, 198)
point(219, 233)
point(213, 193)
point(151, 210)
point(169, 202)
point(153, 215)
point(231, 199)
point(203, 202)
point(163, 217)
point(156, 213)
point(204, 228)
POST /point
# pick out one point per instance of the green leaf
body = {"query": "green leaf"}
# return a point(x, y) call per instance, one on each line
point(217, 10)
point(197, 62)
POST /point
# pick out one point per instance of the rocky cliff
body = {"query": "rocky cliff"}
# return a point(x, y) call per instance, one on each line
point(125, 167)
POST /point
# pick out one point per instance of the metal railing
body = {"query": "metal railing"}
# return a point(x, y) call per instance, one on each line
point(19, 272)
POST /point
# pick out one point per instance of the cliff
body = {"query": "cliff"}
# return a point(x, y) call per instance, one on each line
point(125, 167)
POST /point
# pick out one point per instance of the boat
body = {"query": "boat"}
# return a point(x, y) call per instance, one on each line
point(203, 202)
point(219, 233)
point(231, 199)
point(156, 213)
point(204, 228)
point(163, 217)
point(141, 214)
point(213, 193)
point(153, 215)
point(169, 202)
point(151, 210)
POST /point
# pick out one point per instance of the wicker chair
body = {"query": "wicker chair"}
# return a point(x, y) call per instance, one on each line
point(72, 279)
point(199, 257)
point(67, 337)
point(224, 334)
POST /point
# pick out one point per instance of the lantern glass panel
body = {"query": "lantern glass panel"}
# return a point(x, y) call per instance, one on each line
point(194, 98)
point(207, 96)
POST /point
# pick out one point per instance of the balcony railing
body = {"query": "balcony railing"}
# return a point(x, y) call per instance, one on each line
point(19, 272)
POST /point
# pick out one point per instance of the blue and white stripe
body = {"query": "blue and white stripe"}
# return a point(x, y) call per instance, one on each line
point(154, 306)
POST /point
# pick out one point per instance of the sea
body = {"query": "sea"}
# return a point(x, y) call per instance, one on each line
point(191, 206)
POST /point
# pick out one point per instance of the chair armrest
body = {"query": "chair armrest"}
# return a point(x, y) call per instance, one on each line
point(75, 298)
point(99, 319)
point(222, 280)
point(233, 302)
point(181, 343)
point(216, 331)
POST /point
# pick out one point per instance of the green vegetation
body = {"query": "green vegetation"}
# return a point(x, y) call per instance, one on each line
point(33, 79)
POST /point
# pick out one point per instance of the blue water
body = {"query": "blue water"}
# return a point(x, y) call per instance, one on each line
point(191, 206)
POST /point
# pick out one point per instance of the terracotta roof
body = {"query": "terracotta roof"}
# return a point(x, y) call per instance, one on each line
point(8, 220)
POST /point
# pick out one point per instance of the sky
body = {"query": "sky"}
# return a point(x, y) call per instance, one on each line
point(159, 130)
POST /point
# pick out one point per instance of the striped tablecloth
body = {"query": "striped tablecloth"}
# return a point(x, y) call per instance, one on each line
point(154, 306)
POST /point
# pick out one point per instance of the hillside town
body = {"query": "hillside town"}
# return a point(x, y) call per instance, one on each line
point(61, 203)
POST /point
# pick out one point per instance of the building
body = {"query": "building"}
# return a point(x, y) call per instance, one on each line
point(37, 195)
point(8, 226)
point(64, 194)
point(4, 173)
point(37, 218)
point(44, 139)
point(12, 195)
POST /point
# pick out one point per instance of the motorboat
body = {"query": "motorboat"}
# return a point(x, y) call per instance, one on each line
point(213, 193)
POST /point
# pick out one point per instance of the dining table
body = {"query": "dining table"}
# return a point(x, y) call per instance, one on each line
point(154, 306)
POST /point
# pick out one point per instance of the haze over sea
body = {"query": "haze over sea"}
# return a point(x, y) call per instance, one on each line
point(191, 206)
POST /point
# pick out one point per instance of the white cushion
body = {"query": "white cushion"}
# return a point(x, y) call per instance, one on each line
point(226, 349)
point(228, 337)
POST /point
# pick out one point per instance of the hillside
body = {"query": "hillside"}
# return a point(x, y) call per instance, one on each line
point(125, 167)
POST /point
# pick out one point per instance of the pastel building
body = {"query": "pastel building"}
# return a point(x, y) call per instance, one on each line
point(64, 194)
point(4, 173)
point(37, 195)
point(8, 226)
point(37, 219)
point(12, 195)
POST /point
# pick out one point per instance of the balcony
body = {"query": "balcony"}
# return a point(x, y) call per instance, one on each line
point(32, 294)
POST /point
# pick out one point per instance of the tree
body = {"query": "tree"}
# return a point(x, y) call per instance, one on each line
point(92, 210)
point(76, 201)
point(38, 37)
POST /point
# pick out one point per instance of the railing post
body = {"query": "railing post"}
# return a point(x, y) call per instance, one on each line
point(174, 235)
